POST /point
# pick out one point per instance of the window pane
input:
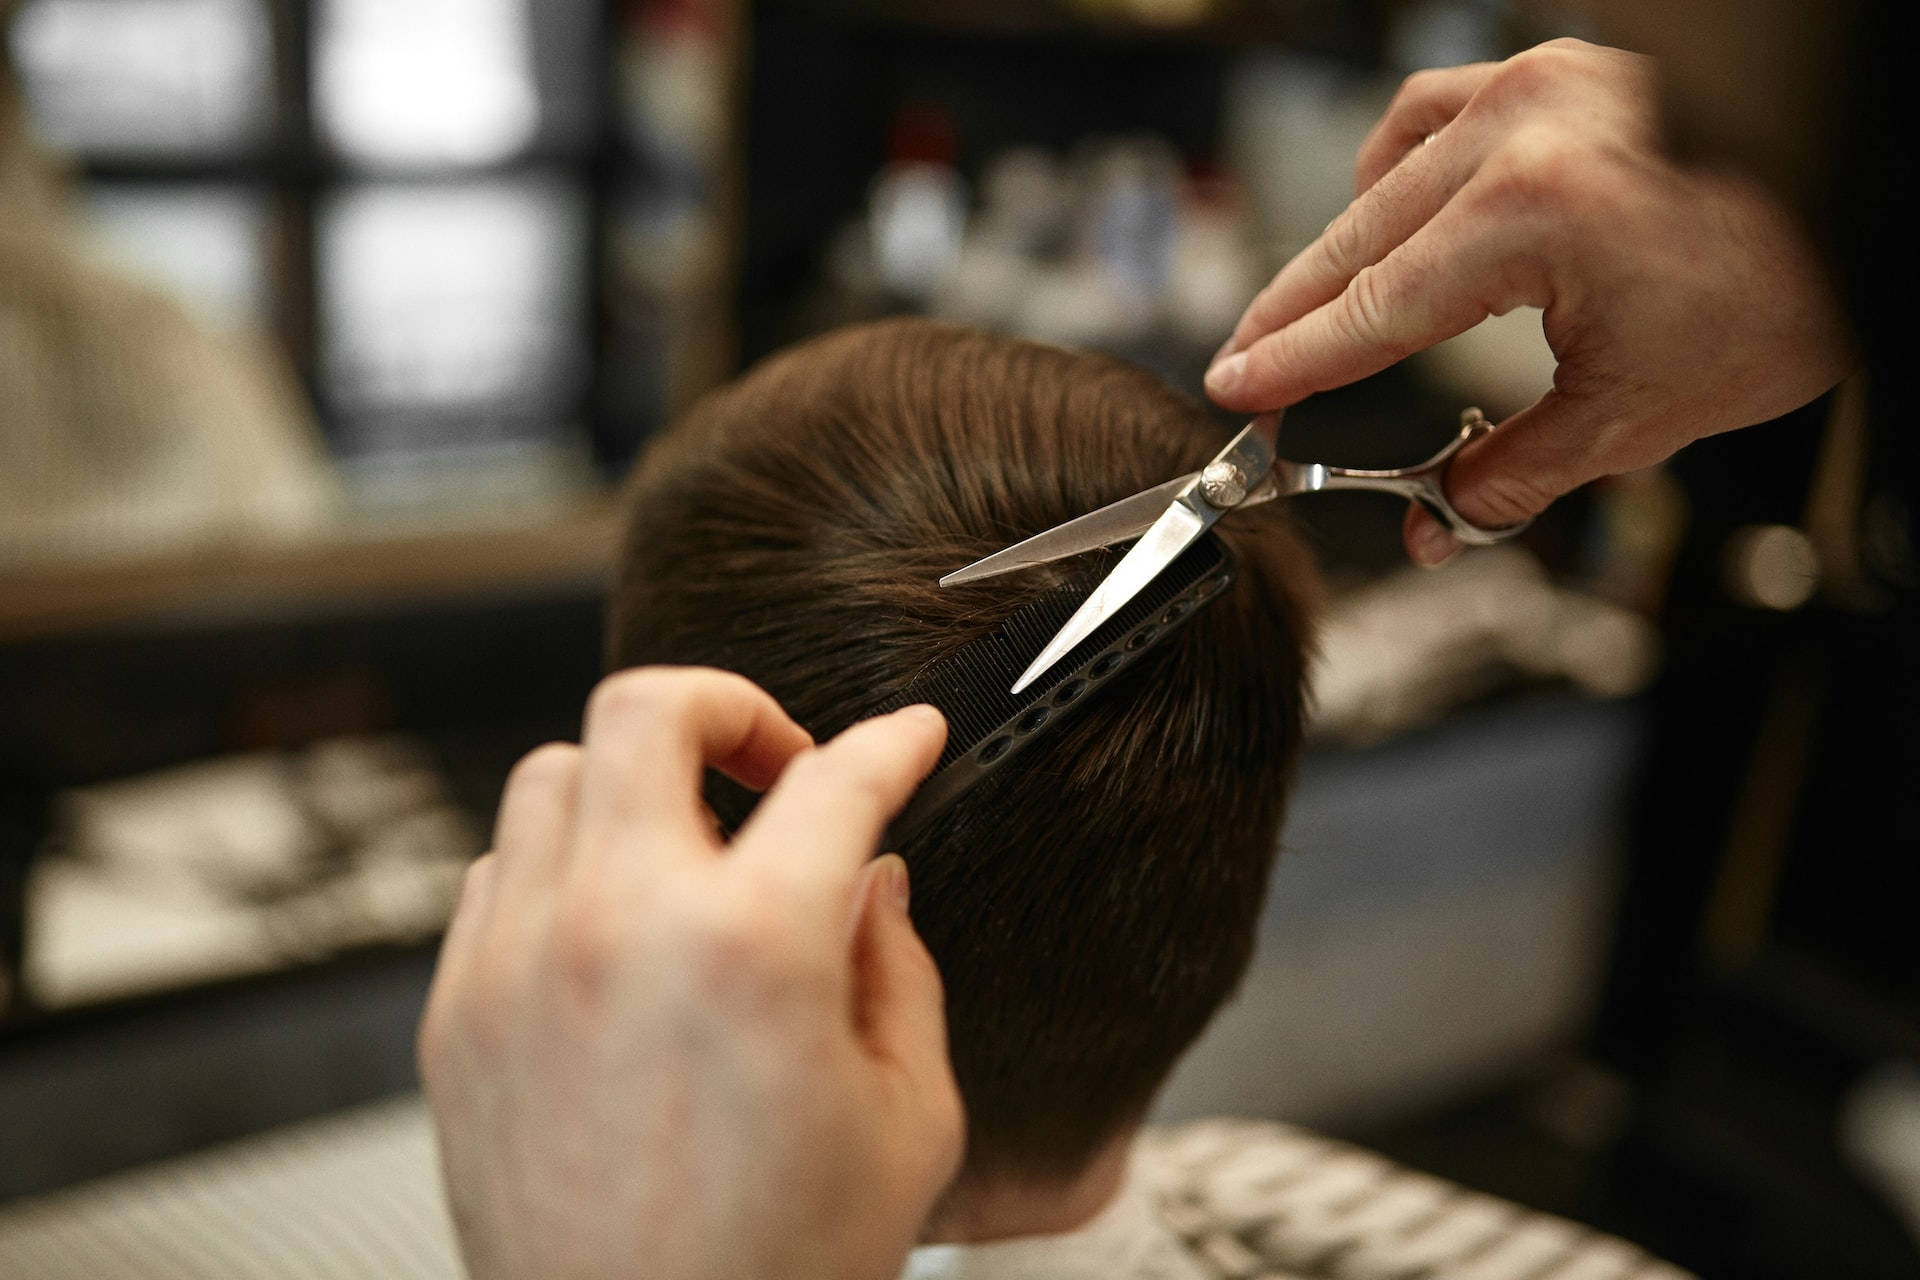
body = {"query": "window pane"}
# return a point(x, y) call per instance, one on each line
point(452, 313)
point(426, 82)
point(146, 76)
point(205, 243)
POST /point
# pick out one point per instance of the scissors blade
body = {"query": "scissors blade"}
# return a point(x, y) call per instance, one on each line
point(1177, 529)
point(1248, 461)
point(1251, 450)
point(1115, 522)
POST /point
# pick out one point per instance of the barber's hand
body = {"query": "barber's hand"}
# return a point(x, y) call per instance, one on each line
point(651, 1054)
point(1679, 303)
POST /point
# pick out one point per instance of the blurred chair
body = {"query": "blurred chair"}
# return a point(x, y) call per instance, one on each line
point(126, 426)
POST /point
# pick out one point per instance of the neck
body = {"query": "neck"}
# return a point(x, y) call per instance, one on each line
point(983, 1207)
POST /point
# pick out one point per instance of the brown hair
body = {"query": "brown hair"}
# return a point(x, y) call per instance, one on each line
point(1091, 905)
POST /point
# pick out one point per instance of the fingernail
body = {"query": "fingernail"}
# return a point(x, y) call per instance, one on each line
point(898, 886)
point(1221, 354)
point(1224, 376)
point(1432, 545)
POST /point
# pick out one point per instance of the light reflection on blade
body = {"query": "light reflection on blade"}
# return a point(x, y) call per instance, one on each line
point(1115, 522)
point(1175, 531)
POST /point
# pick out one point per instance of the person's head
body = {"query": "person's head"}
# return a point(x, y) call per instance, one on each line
point(1092, 904)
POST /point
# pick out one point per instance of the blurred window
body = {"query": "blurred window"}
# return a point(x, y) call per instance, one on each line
point(452, 311)
point(205, 242)
point(426, 82)
point(408, 196)
point(146, 76)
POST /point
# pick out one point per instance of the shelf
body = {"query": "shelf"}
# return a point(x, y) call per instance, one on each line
point(348, 562)
point(316, 169)
point(1288, 22)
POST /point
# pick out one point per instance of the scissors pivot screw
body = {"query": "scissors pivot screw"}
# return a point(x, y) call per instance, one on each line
point(1223, 485)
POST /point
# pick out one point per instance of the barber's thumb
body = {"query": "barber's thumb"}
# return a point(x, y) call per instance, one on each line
point(1509, 476)
point(901, 1004)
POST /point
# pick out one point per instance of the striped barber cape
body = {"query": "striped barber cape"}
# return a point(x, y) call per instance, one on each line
point(356, 1196)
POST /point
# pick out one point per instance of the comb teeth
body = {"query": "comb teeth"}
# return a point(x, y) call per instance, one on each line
point(987, 725)
point(967, 687)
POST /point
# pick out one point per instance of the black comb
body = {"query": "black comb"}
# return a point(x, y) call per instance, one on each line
point(986, 725)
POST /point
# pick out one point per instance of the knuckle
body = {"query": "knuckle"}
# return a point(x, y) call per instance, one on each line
point(1507, 498)
point(586, 945)
point(1543, 172)
point(1415, 90)
point(660, 692)
point(1538, 75)
point(637, 691)
point(1565, 70)
point(1368, 314)
point(862, 776)
point(1526, 74)
point(1416, 84)
point(1411, 90)
point(745, 953)
point(547, 765)
point(1343, 245)
point(842, 764)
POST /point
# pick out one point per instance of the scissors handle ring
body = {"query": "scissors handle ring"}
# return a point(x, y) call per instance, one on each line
point(1433, 488)
point(1426, 485)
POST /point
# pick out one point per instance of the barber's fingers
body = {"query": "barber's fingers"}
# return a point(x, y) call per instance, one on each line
point(1426, 103)
point(535, 822)
point(1467, 263)
point(1379, 221)
point(1392, 200)
point(899, 1002)
point(459, 949)
point(1539, 455)
point(1429, 543)
point(650, 733)
point(471, 912)
point(822, 821)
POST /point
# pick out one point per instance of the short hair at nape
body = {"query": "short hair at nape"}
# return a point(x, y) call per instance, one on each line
point(1094, 903)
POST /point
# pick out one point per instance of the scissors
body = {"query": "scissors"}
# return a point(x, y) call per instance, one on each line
point(1170, 517)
